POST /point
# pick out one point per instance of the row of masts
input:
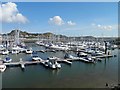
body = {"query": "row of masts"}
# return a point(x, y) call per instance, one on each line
point(8, 40)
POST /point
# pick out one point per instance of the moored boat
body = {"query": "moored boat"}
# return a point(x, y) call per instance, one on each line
point(36, 58)
point(7, 60)
point(28, 51)
point(2, 66)
point(52, 63)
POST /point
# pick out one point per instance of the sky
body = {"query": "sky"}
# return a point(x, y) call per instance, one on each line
point(61, 0)
point(67, 18)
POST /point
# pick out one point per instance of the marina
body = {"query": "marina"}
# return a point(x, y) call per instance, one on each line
point(85, 51)
point(37, 68)
point(67, 59)
point(53, 56)
point(59, 45)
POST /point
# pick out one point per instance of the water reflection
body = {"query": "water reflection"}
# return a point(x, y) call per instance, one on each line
point(55, 72)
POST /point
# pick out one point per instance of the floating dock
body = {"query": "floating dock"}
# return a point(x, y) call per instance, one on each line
point(104, 56)
point(22, 63)
point(64, 60)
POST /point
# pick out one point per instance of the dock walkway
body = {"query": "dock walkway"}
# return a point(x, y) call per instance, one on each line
point(22, 63)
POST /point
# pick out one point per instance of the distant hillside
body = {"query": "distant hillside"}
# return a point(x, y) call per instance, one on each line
point(20, 32)
point(50, 35)
point(27, 34)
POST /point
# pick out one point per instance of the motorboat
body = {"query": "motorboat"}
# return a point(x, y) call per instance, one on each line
point(88, 59)
point(58, 65)
point(59, 47)
point(7, 60)
point(89, 50)
point(45, 63)
point(81, 54)
point(36, 58)
point(97, 53)
point(22, 64)
point(19, 48)
point(28, 51)
point(2, 66)
point(4, 52)
point(40, 43)
point(70, 56)
point(52, 63)
point(43, 51)
point(14, 51)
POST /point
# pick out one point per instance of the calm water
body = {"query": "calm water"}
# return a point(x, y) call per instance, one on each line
point(77, 75)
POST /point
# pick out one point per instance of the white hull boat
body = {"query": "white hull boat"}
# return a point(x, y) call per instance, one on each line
point(28, 51)
point(36, 58)
point(7, 60)
point(4, 52)
point(2, 68)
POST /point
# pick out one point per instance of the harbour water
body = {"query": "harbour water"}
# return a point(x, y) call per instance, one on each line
point(77, 75)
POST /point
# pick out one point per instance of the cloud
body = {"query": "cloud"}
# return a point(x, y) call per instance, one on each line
point(71, 23)
point(9, 13)
point(102, 27)
point(57, 20)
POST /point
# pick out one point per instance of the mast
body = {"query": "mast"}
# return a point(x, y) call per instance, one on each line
point(17, 41)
